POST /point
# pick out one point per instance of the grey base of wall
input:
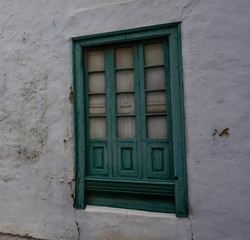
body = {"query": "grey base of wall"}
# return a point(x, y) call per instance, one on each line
point(105, 223)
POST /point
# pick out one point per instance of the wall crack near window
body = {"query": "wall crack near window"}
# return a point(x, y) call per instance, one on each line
point(78, 228)
point(188, 9)
point(191, 226)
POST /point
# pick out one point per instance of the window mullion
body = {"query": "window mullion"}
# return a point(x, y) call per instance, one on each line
point(139, 130)
point(169, 107)
point(113, 121)
point(110, 100)
point(143, 127)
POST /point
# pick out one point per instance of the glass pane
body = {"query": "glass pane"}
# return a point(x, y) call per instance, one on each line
point(125, 80)
point(125, 103)
point(124, 57)
point(154, 54)
point(156, 102)
point(97, 127)
point(96, 83)
point(97, 104)
point(126, 127)
point(157, 127)
point(155, 78)
point(96, 60)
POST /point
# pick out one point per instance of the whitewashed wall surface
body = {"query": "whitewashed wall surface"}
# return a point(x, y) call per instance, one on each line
point(36, 118)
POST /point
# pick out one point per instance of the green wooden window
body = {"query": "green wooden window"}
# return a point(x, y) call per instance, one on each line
point(129, 124)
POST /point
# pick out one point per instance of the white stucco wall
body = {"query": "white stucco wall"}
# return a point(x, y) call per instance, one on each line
point(36, 117)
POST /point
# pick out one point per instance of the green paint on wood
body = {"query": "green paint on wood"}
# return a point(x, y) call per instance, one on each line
point(140, 159)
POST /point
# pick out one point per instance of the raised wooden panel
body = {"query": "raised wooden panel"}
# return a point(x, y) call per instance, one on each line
point(157, 156)
point(157, 160)
point(98, 161)
point(127, 161)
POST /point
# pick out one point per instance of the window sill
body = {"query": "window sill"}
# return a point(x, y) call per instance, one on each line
point(130, 212)
point(116, 223)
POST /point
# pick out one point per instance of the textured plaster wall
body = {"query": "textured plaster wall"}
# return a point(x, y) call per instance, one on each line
point(216, 59)
point(36, 121)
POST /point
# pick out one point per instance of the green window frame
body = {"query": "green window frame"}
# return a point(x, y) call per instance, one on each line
point(137, 171)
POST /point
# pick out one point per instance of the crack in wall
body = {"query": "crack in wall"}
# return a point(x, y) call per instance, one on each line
point(78, 228)
point(191, 227)
point(17, 236)
point(71, 183)
point(186, 10)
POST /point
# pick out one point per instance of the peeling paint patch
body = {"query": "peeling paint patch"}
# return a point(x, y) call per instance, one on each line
point(223, 133)
point(67, 140)
point(215, 132)
point(71, 96)
point(72, 190)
